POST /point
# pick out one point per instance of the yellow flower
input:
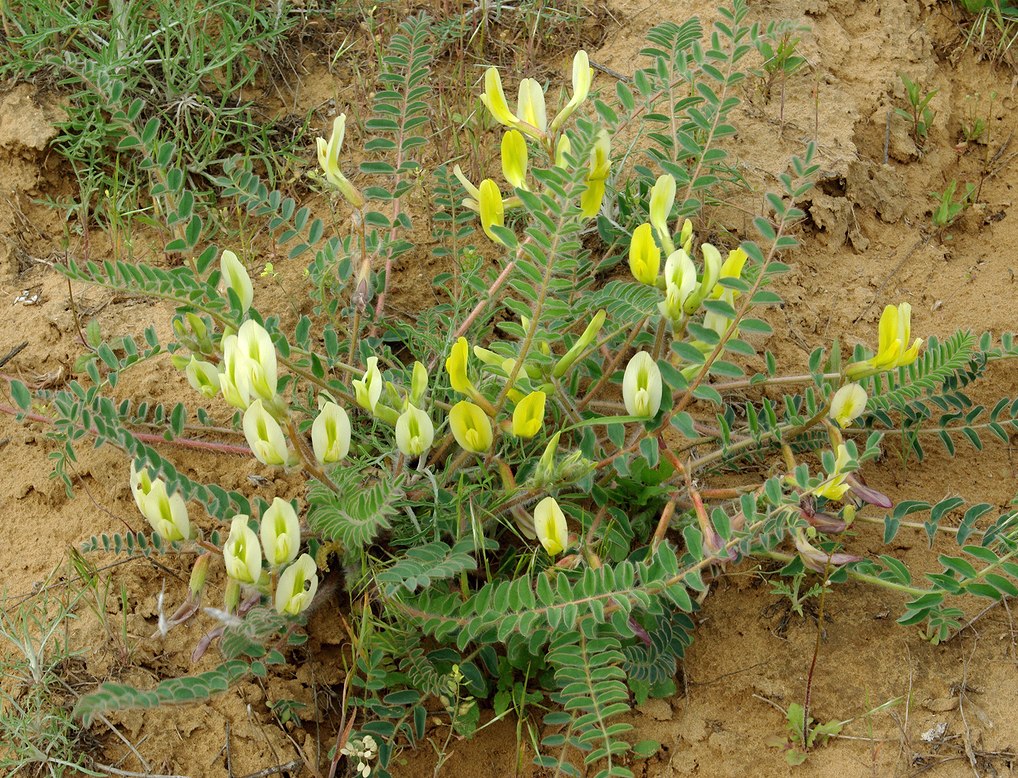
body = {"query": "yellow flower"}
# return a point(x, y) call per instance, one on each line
point(514, 158)
point(368, 390)
point(644, 255)
point(236, 278)
point(297, 586)
point(492, 208)
point(641, 386)
point(471, 427)
point(242, 554)
point(202, 376)
point(234, 380)
point(597, 174)
point(662, 197)
point(581, 344)
point(680, 283)
point(330, 434)
point(494, 99)
point(834, 487)
point(257, 358)
point(456, 367)
point(550, 526)
point(583, 76)
point(265, 436)
point(530, 106)
point(328, 158)
point(418, 382)
point(280, 533)
point(892, 349)
point(848, 403)
point(415, 432)
point(732, 268)
point(528, 416)
point(166, 514)
point(686, 236)
point(711, 273)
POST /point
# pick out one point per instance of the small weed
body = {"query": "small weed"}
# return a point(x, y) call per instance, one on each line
point(793, 591)
point(40, 733)
point(949, 207)
point(918, 112)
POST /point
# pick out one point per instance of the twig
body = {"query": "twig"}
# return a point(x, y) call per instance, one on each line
point(281, 768)
point(117, 771)
point(12, 353)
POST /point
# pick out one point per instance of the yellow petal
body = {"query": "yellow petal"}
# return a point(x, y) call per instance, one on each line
point(514, 158)
point(494, 99)
point(492, 208)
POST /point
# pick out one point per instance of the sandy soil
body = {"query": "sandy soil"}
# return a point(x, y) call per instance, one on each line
point(868, 244)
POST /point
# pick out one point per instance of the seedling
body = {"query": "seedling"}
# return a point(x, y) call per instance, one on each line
point(948, 208)
point(918, 112)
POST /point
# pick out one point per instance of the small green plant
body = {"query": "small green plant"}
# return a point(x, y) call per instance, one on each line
point(804, 735)
point(792, 591)
point(777, 45)
point(41, 735)
point(918, 111)
point(950, 204)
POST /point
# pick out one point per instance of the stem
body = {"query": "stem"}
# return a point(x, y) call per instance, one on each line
point(145, 437)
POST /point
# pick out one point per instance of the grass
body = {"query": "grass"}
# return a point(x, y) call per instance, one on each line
point(192, 64)
point(36, 696)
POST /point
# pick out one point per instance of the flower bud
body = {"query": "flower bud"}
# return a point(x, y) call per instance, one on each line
point(231, 595)
point(847, 404)
point(242, 554)
point(641, 386)
point(199, 573)
point(544, 473)
point(581, 344)
point(583, 77)
point(265, 436)
point(644, 255)
point(280, 533)
point(415, 431)
point(166, 514)
point(368, 390)
point(550, 526)
point(597, 174)
point(297, 586)
point(328, 158)
point(330, 434)
point(686, 236)
point(711, 272)
point(203, 377)
point(418, 383)
point(528, 415)
point(471, 427)
point(662, 198)
point(235, 277)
